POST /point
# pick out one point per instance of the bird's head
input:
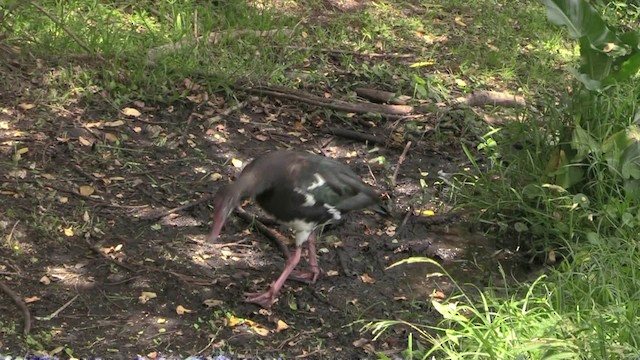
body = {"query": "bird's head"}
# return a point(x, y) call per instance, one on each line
point(224, 202)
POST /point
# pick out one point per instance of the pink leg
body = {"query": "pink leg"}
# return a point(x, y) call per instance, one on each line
point(312, 275)
point(269, 297)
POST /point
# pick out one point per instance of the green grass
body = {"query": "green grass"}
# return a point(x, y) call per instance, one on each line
point(586, 306)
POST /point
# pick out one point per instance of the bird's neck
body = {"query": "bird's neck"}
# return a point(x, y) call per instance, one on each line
point(250, 186)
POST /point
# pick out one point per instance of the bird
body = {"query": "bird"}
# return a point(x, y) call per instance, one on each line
point(299, 189)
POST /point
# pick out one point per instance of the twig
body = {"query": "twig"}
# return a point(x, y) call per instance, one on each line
point(404, 222)
point(495, 98)
point(162, 214)
point(400, 161)
point(20, 304)
point(270, 234)
point(355, 135)
point(69, 32)
point(55, 313)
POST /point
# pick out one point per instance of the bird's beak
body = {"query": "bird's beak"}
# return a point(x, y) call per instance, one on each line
point(219, 218)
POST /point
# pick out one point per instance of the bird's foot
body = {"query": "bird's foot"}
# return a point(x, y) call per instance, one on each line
point(265, 299)
point(310, 276)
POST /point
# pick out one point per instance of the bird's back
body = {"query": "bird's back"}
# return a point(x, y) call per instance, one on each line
point(303, 186)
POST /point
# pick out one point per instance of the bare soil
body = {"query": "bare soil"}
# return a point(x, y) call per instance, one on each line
point(102, 276)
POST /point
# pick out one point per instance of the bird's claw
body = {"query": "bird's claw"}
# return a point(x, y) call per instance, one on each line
point(309, 277)
point(265, 299)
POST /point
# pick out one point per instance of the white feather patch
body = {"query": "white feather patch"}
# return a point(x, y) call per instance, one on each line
point(309, 200)
point(319, 182)
point(333, 211)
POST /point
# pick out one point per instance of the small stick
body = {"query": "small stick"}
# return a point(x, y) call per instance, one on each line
point(55, 313)
point(160, 215)
point(404, 222)
point(400, 161)
point(270, 234)
point(20, 304)
point(354, 135)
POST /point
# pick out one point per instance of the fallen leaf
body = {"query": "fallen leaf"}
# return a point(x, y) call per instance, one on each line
point(21, 173)
point(281, 326)
point(236, 163)
point(45, 280)
point(85, 142)
point(181, 310)
point(427, 212)
point(85, 216)
point(26, 106)
point(399, 298)
point(365, 278)
point(262, 137)
point(260, 330)
point(31, 299)
point(215, 176)
point(110, 137)
point(21, 151)
point(130, 112)
point(332, 273)
point(63, 199)
point(146, 296)
point(212, 302)
point(68, 231)
point(360, 342)
point(86, 190)
point(116, 123)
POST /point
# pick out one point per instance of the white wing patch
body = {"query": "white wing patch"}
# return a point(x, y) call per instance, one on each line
point(319, 182)
point(309, 200)
point(333, 211)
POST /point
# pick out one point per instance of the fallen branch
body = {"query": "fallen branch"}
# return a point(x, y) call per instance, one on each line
point(354, 135)
point(495, 98)
point(270, 234)
point(387, 111)
point(400, 161)
point(382, 96)
point(21, 305)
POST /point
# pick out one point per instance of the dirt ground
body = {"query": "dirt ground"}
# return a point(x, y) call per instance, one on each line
point(102, 276)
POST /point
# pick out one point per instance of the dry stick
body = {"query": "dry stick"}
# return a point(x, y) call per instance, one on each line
point(386, 111)
point(20, 304)
point(404, 222)
point(160, 215)
point(400, 161)
point(354, 135)
point(270, 234)
point(69, 32)
point(55, 313)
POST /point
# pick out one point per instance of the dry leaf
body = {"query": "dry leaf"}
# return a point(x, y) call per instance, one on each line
point(63, 199)
point(130, 112)
point(110, 137)
point(86, 190)
point(26, 106)
point(262, 137)
point(85, 216)
point(332, 273)
point(260, 330)
point(21, 173)
point(365, 278)
point(45, 280)
point(281, 326)
point(212, 302)
point(360, 342)
point(236, 163)
point(31, 299)
point(85, 142)
point(427, 212)
point(68, 231)
point(181, 310)
point(21, 151)
point(146, 296)
point(216, 176)
point(118, 122)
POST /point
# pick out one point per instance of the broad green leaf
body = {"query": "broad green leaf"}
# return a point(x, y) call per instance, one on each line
point(581, 20)
point(630, 162)
point(583, 143)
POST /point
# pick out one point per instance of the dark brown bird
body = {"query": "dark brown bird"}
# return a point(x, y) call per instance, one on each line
point(301, 190)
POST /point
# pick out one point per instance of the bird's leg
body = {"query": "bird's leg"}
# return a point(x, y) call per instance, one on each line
point(313, 273)
point(269, 297)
